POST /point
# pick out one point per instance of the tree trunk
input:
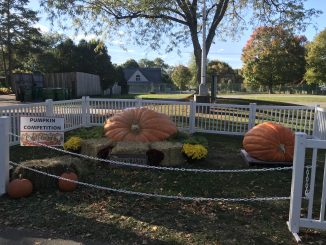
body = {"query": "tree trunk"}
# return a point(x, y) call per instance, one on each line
point(8, 44)
point(270, 88)
point(4, 65)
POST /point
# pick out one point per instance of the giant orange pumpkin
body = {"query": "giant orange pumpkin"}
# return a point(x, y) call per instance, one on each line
point(269, 142)
point(139, 124)
point(65, 185)
point(18, 188)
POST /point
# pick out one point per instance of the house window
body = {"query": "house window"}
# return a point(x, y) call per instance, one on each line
point(137, 77)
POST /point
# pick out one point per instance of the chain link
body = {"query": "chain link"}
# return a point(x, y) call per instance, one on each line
point(144, 194)
point(195, 170)
point(307, 190)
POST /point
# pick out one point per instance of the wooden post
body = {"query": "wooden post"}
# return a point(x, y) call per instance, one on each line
point(4, 154)
point(297, 183)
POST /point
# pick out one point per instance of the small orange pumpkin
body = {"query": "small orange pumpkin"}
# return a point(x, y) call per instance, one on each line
point(139, 124)
point(18, 188)
point(270, 142)
point(65, 185)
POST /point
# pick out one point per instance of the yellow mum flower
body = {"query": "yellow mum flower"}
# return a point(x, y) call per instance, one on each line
point(194, 151)
point(73, 144)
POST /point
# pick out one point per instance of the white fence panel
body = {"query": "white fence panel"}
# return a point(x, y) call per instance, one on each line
point(297, 118)
point(308, 200)
point(178, 111)
point(71, 110)
point(320, 124)
point(102, 109)
point(222, 118)
point(15, 112)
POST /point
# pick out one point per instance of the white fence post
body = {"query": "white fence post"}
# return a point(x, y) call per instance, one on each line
point(86, 117)
point(139, 103)
point(297, 182)
point(49, 108)
point(252, 115)
point(192, 117)
point(315, 133)
point(4, 154)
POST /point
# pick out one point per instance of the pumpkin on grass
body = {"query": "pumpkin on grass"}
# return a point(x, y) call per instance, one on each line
point(139, 124)
point(21, 187)
point(65, 185)
point(270, 142)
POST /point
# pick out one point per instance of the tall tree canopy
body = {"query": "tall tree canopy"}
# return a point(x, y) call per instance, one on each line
point(316, 60)
point(181, 20)
point(16, 31)
point(181, 77)
point(273, 56)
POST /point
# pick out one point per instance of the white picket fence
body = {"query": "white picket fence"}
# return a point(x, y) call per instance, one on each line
point(188, 116)
point(308, 122)
point(307, 212)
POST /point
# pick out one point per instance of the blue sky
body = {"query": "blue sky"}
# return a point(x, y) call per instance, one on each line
point(228, 51)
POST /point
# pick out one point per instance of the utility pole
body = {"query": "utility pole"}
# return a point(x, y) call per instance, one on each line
point(203, 89)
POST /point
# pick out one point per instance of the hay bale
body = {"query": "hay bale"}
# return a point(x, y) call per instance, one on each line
point(172, 152)
point(96, 147)
point(130, 148)
point(55, 166)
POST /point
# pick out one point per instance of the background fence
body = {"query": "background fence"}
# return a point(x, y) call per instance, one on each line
point(188, 116)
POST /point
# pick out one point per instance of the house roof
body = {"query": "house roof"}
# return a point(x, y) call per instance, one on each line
point(152, 74)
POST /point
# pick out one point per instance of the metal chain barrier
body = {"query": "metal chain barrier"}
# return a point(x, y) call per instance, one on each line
point(307, 190)
point(195, 170)
point(143, 194)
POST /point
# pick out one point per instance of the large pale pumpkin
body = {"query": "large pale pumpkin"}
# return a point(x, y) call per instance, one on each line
point(139, 124)
point(270, 142)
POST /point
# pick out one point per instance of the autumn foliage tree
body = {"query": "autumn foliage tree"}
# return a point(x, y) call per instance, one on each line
point(171, 23)
point(181, 77)
point(273, 56)
point(316, 60)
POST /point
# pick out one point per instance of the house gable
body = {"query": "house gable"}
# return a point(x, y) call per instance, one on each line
point(137, 76)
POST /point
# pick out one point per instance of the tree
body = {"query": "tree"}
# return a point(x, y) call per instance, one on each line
point(316, 60)
point(16, 23)
point(273, 56)
point(181, 76)
point(220, 68)
point(147, 21)
point(146, 63)
point(131, 63)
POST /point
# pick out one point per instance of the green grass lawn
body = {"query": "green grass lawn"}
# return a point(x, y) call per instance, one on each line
point(280, 98)
point(123, 219)
point(153, 96)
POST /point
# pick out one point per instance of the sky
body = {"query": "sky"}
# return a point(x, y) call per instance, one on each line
point(228, 51)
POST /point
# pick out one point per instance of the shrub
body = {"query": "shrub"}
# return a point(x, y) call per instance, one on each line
point(194, 151)
point(73, 144)
point(196, 140)
point(4, 90)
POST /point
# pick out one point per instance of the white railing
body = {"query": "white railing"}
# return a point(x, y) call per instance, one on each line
point(320, 124)
point(309, 213)
point(188, 116)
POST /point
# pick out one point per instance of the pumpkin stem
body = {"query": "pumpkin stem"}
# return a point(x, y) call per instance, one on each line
point(282, 147)
point(135, 128)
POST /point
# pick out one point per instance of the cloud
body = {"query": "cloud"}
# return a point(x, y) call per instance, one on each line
point(118, 42)
point(221, 50)
point(43, 28)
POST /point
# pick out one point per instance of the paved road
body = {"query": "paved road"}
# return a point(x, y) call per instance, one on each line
point(7, 100)
point(20, 236)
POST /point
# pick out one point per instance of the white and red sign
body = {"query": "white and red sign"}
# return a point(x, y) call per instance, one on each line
point(41, 130)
